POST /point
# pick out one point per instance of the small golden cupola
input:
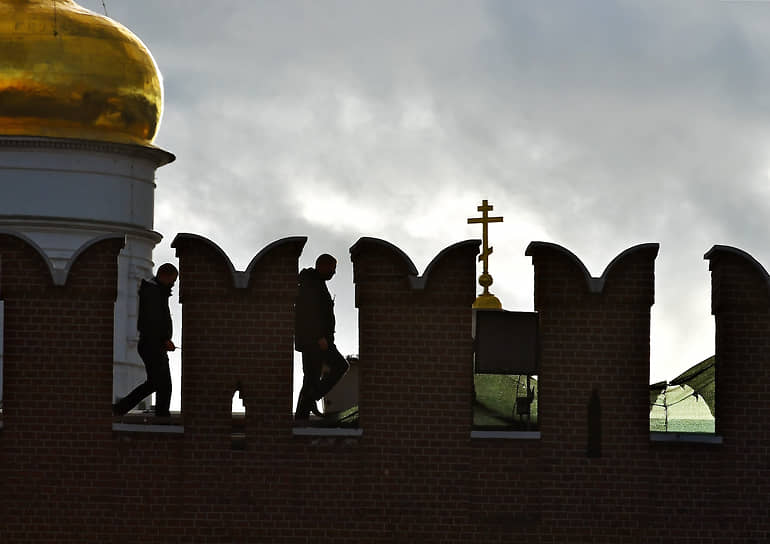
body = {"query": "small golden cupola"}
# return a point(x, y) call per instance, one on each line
point(66, 72)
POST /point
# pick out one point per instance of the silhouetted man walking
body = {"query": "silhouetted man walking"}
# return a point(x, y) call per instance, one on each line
point(314, 335)
point(155, 329)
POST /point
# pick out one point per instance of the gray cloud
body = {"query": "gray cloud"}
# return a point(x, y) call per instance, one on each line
point(597, 126)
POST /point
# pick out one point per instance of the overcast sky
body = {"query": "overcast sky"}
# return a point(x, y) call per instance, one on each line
point(594, 125)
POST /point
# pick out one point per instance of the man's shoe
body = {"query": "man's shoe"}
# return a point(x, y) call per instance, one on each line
point(313, 406)
point(306, 405)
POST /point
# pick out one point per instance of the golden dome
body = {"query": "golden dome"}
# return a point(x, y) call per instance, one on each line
point(66, 72)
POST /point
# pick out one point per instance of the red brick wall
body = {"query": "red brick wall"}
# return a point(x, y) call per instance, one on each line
point(54, 448)
point(741, 308)
point(594, 336)
point(237, 337)
point(415, 475)
point(415, 388)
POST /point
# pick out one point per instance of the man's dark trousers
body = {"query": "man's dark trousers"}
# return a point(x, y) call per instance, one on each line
point(313, 360)
point(155, 360)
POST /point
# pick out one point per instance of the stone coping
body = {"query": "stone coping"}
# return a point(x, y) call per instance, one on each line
point(507, 435)
point(147, 422)
point(692, 438)
point(326, 431)
point(141, 428)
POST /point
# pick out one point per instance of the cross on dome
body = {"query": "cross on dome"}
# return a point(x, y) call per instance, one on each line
point(486, 300)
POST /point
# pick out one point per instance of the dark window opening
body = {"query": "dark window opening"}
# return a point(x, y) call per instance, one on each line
point(594, 448)
point(238, 433)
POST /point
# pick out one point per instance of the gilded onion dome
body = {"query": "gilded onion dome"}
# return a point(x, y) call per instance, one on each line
point(66, 72)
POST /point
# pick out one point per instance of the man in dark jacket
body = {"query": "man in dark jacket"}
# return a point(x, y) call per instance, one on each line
point(155, 329)
point(314, 335)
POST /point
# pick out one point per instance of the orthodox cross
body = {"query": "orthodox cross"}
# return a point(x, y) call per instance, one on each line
point(486, 299)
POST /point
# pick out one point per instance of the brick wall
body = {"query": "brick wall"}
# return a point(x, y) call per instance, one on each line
point(415, 475)
point(237, 335)
point(595, 337)
point(54, 463)
point(415, 387)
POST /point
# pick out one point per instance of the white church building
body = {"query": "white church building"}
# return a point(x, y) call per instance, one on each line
point(81, 100)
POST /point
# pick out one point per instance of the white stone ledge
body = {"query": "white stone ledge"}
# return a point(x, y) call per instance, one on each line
point(144, 428)
point(696, 438)
point(326, 431)
point(508, 435)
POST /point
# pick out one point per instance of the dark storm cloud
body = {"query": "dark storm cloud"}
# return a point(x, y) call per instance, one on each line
point(595, 125)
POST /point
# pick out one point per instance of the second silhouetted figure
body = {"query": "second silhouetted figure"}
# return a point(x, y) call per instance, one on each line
point(314, 335)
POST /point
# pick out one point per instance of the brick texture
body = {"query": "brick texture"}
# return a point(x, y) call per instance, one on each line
point(56, 470)
point(415, 475)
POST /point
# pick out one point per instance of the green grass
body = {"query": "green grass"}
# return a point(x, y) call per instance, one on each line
point(494, 405)
point(682, 425)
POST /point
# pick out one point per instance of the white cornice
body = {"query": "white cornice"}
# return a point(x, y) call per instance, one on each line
point(157, 155)
point(21, 223)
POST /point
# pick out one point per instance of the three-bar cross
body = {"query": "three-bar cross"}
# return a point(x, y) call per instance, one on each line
point(485, 220)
